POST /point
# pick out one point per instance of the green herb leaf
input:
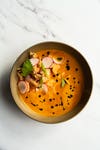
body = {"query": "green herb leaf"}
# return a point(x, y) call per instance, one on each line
point(41, 82)
point(43, 69)
point(63, 82)
point(59, 58)
point(26, 68)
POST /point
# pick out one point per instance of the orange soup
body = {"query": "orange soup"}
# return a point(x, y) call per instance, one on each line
point(50, 82)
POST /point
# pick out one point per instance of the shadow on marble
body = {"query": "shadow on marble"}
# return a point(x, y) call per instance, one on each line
point(14, 120)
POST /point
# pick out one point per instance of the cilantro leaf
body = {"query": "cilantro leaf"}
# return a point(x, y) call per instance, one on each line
point(63, 82)
point(43, 69)
point(41, 82)
point(26, 68)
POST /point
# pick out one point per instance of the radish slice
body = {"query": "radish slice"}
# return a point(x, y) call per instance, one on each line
point(45, 88)
point(28, 78)
point(57, 61)
point(47, 62)
point(34, 61)
point(23, 86)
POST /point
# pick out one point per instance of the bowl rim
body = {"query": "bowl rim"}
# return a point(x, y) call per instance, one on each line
point(77, 51)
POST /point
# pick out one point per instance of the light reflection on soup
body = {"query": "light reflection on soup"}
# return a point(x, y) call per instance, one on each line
point(64, 83)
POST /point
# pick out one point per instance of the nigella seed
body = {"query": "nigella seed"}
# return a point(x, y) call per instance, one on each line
point(33, 104)
point(43, 100)
point(41, 109)
point(56, 105)
point(50, 100)
point(68, 67)
point(39, 96)
point(53, 75)
point(26, 97)
point(56, 80)
point(63, 108)
point(78, 82)
point(57, 74)
point(67, 60)
point(43, 55)
point(48, 52)
point(57, 93)
point(53, 113)
point(76, 69)
point(52, 106)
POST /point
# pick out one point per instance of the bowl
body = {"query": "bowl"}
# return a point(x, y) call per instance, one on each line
point(88, 82)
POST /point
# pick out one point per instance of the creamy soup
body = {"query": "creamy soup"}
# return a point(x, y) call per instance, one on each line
point(50, 82)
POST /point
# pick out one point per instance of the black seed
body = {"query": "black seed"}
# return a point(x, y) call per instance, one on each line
point(70, 85)
point(67, 60)
point(52, 106)
point(57, 74)
point(67, 78)
point(53, 75)
point(61, 103)
point(68, 103)
point(78, 82)
point(26, 97)
point(50, 100)
point(56, 80)
point(72, 90)
point(74, 87)
point(53, 113)
point(68, 67)
point(74, 78)
point(39, 95)
point(43, 55)
point(33, 104)
point(40, 109)
point(48, 52)
point(57, 93)
point(76, 69)
point(56, 105)
point(63, 108)
point(53, 98)
point(43, 100)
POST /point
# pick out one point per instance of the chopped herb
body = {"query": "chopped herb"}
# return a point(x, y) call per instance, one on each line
point(41, 82)
point(63, 82)
point(26, 68)
point(59, 58)
point(43, 69)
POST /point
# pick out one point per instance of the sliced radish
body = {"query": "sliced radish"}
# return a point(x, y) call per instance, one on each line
point(57, 61)
point(28, 78)
point(47, 62)
point(23, 86)
point(44, 88)
point(34, 61)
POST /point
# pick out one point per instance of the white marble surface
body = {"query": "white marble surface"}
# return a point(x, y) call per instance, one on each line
point(24, 23)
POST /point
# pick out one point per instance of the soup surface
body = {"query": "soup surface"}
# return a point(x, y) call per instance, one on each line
point(50, 82)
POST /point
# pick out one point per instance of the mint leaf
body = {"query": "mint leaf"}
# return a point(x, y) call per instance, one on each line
point(26, 68)
point(63, 82)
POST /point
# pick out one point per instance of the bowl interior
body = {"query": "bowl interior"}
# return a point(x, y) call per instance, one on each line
point(87, 80)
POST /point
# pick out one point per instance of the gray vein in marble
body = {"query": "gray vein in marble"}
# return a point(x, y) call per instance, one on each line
point(40, 15)
point(37, 11)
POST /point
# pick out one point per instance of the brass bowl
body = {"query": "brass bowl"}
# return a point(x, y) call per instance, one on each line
point(87, 76)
